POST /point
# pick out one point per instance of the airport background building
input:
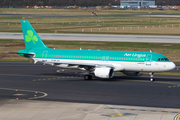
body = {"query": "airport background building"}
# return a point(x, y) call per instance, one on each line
point(137, 3)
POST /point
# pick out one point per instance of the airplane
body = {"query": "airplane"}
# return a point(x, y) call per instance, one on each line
point(100, 63)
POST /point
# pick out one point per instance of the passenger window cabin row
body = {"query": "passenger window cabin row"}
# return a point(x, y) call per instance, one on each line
point(104, 58)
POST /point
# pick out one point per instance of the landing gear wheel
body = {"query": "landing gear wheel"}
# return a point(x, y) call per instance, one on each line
point(151, 79)
point(88, 77)
point(151, 76)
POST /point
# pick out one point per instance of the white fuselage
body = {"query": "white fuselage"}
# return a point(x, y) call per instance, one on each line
point(117, 65)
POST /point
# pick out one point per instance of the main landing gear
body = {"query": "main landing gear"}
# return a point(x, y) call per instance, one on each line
point(151, 76)
point(88, 77)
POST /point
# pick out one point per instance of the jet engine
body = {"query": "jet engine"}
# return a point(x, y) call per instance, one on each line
point(104, 72)
point(132, 73)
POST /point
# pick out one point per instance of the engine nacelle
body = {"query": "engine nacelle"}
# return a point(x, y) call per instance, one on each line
point(132, 73)
point(104, 72)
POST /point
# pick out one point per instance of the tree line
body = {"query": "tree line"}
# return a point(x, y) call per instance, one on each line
point(74, 2)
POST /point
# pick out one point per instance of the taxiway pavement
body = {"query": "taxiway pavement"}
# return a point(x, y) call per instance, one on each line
point(42, 89)
point(92, 37)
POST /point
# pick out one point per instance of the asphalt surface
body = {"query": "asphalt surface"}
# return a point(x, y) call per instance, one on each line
point(91, 37)
point(23, 80)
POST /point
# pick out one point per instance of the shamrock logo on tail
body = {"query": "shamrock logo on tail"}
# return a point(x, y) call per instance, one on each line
point(30, 37)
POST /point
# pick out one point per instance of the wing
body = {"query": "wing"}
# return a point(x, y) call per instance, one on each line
point(86, 66)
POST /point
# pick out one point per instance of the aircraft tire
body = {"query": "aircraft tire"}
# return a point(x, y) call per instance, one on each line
point(87, 77)
point(152, 79)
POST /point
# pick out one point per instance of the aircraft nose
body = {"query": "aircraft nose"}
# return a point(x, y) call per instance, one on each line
point(172, 66)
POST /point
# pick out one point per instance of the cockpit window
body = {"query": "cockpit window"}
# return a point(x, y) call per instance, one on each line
point(163, 59)
point(166, 59)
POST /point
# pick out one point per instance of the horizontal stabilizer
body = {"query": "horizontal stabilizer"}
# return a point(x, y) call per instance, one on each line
point(27, 55)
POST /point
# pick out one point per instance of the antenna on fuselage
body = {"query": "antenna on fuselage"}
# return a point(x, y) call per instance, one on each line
point(80, 49)
point(150, 51)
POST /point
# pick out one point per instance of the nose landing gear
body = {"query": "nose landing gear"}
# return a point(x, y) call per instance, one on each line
point(151, 76)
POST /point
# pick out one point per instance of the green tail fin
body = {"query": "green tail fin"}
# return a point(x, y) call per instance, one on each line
point(31, 38)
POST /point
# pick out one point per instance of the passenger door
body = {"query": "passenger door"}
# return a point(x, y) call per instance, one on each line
point(44, 56)
point(148, 59)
